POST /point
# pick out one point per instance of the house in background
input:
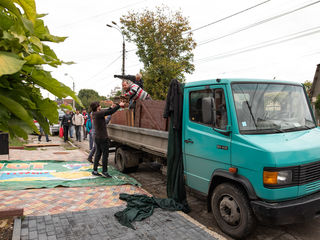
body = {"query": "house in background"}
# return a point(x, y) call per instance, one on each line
point(314, 92)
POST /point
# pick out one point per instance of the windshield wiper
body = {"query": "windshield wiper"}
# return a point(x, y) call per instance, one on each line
point(305, 127)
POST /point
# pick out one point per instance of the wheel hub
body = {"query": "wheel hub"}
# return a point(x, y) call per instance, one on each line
point(229, 210)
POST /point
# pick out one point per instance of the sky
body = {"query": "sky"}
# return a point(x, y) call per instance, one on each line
point(278, 39)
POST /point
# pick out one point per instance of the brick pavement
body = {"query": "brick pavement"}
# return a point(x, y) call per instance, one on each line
point(101, 224)
point(58, 200)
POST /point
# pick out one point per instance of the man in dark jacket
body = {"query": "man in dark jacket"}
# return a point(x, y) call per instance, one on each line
point(136, 79)
point(66, 124)
point(101, 137)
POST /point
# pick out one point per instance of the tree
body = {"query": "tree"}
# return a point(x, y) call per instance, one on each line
point(307, 84)
point(87, 96)
point(164, 47)
point(22, 56)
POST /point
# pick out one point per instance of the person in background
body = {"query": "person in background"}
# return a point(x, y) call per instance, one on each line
point(41, 133)
point(85, 118)
point(101, 137)
point(66, 123)
point(89, 130)
point(136, 79)
point(78, 121)
point(134, 92)
point(71, 130)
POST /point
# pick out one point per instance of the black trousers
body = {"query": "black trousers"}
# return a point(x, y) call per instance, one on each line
point(102, 148)
point(78, 133)
point(65, 132)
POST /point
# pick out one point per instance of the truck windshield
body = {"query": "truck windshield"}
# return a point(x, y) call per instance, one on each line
point(271, 108)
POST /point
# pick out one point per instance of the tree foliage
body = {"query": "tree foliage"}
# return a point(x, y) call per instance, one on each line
point(87, 96)
point(308, 85)
point(23, 53)
point(164, 46)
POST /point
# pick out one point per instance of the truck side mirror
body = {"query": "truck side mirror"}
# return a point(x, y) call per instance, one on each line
point(209, 113)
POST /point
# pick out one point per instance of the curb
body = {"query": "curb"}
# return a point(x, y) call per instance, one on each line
point(72, 144)
point(16, 212)
point(16, 229)
point(195, 222)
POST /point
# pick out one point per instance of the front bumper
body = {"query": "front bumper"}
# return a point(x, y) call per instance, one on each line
point(287, 212)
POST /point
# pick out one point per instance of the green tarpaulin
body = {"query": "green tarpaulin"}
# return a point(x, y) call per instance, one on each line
point(48, 174)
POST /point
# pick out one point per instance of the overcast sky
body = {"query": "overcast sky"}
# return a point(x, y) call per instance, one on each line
point(247, 45)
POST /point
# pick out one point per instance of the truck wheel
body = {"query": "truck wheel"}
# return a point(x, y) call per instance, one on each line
point(232, 211)
point(120, 159)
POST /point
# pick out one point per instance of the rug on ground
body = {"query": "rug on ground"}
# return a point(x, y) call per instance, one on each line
point(17, 174)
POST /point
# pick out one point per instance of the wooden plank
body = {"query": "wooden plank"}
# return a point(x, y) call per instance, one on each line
point(16, 147)
point(15, 212)
point(42, 145)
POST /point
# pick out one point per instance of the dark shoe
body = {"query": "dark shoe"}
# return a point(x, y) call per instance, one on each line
point(106, 175)
point(49, 140)
point(95, 173)
point(90, 160)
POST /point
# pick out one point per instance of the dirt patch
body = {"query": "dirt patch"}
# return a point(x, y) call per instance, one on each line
point(6, 228)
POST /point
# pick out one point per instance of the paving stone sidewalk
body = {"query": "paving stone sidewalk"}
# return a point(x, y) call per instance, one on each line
point(100, 224)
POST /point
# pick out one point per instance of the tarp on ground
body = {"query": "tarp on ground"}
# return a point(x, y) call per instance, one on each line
point(17, 174)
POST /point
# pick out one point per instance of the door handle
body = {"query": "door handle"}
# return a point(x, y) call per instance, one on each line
point(188, 141)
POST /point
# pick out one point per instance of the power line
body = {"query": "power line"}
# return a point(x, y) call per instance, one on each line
point(101, 14)
point(264, 44)
point(257, 23)
point(227, 17)
point(105, 67)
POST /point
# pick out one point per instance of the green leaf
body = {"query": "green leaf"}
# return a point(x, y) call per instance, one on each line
point(36, 41)
point(8, 4)
point(34, 59)
point(5, 21)
point(45, 80)
point(10, 63)
point(16, 127)
point(18, 110)
point(42, 32)
point(29, 8)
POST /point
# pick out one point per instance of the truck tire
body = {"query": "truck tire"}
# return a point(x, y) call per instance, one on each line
point(126, 160)
point(232, 211)
point(120, 159)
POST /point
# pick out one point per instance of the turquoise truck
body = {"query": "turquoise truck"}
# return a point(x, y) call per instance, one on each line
point(250, 146)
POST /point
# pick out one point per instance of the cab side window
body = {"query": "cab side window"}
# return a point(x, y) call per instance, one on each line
point(200, 107)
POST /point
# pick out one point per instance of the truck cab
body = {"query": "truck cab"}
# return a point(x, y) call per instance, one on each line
point(253, 147)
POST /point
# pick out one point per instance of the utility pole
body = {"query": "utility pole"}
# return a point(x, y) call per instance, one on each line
point(123, 55)
point(115, 25)
point(73, 89)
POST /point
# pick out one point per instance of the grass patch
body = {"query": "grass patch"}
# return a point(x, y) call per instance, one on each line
point(70, 148)
point(16, 142)
point(30, 148)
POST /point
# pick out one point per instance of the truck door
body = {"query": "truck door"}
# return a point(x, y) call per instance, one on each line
point(204, 149)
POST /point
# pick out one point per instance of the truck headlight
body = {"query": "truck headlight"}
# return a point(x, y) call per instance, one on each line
point(277, 177)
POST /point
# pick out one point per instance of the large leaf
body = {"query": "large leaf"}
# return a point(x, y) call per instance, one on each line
point(42, 32)
point(29, 8)
point(10, 63)
point(8, 4)
point(18, 110)
point(45, 80)
point(5, 21)
point(34, 59)
point(36, 41)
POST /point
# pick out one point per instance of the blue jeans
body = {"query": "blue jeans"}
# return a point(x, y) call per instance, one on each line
point(42, 132)
point(93, 150)
point(90, 141)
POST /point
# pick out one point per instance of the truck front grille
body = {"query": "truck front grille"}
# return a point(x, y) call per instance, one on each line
point(306, 173)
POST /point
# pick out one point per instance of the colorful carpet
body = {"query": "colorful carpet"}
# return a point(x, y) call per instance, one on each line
point(17, 174)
